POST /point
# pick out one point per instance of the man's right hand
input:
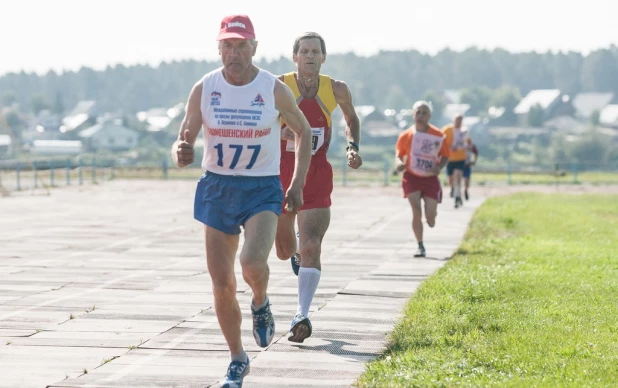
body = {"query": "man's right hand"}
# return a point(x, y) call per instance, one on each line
point(294, 198)
point(185, 154)
point(287, 134)
point(400, 167)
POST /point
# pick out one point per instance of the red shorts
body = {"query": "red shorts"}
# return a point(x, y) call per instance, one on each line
point(428, 186)
point(318, 184)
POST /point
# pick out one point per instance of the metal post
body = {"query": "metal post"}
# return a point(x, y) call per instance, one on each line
point(51, 172)
point(165, 171)
point(18, 177)
point(36, 183)
point(68, 172)
point(94, 170)
point(386, 174)
point(344, 171)
point(81, 171)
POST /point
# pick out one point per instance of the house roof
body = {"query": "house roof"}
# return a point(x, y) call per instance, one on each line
point(57, 143)
point(83, 107)
point(5, 140)
point(89, 132)
point(72, 122)
point(513, 132)
point(609, 114)
point(452, 95)
point(450, 110)
point(587, 103)
point(566, 124)
point(542, 97)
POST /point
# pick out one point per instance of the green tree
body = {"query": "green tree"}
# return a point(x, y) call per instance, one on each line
point(595, 118)
point(507, 97)
point(535, 116)
point(58, 104)
point(589, 150)
point(478, 98)
point(8, 98)
point(12, 123)
point(437, 104)
point(600, 72)
point(38, 103)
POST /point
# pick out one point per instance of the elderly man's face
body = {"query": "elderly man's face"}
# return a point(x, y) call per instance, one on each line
point(237, 54)
point(422, 115)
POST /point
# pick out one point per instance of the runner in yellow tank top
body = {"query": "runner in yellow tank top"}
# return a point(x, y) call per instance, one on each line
point(317, 95)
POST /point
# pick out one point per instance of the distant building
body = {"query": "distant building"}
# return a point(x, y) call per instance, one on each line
point(46, 120)
point(452, 96)
point(552, 102)
point(56, 147)
point(158, 119)
point(586, 104)
point(6, 146)
point(609, 116)
point(82, 116)
point(110, 136)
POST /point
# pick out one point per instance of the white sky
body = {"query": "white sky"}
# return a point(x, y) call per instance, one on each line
point(38, 35)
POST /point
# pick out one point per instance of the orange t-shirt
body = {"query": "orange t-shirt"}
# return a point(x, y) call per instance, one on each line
point(421, 150)
point(458, 138)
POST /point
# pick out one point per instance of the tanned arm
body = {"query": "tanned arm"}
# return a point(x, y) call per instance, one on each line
point(298, 124)
point(183, 153)
point(343, 96)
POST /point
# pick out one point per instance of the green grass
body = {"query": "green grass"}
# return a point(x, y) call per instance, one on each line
point(529, 300)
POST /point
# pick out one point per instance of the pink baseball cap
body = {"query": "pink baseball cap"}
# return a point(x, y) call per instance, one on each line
point(236, 26)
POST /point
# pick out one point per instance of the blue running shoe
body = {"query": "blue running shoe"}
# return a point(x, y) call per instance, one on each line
point(263, 325)
point(295, 260)
point(300, 329)
point(236, 372)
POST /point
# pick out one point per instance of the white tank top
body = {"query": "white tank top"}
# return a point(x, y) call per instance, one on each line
point(241, 135)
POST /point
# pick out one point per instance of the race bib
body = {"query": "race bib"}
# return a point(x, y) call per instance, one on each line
point(459, 140)
point(317, 141)
point(424, 164)
point(424, 153)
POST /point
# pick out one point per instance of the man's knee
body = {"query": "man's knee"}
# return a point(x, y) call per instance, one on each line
point(223, 287)
point(431, 221)
point(285, 251)
point(311, 251)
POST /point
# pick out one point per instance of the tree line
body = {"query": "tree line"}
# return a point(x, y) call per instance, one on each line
point(388, 79)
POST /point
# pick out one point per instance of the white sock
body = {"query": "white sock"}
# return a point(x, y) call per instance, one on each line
point(242, 356)
point(457, 191)
point(256, 307)
point(308, 280)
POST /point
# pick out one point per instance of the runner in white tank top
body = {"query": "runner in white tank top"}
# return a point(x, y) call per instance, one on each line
point(239, 106)
point(241, 126)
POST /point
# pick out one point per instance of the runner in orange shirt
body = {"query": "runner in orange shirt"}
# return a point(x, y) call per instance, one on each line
point(456, 139)
point(422, 152)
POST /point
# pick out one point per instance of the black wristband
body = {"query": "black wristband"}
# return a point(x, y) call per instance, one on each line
point(350, 143)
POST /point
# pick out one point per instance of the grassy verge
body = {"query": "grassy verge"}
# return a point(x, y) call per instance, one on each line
point(529, 300)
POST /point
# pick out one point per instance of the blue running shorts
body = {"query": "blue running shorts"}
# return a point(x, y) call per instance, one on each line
point(226, 202)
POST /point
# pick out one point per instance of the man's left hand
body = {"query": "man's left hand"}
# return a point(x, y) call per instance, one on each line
point(436, 170)
point(354, 159)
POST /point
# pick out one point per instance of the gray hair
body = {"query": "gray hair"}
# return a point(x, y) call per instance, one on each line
point(420, 103)
point(252, 41)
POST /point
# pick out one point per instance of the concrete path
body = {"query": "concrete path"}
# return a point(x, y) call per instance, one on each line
point(106, 286)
